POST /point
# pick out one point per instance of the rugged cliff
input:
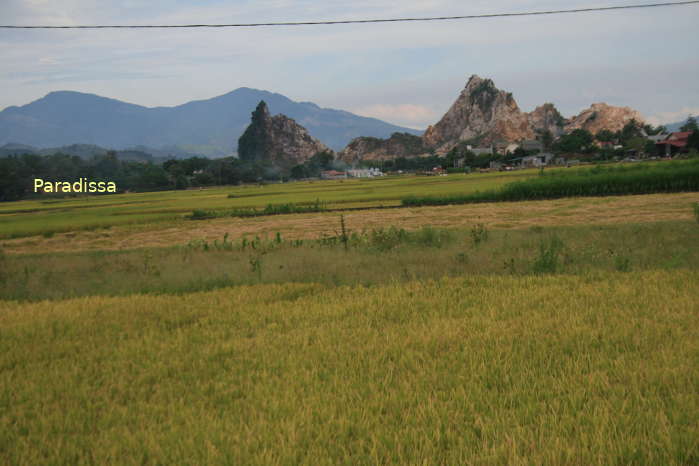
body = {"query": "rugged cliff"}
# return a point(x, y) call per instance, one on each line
point(398, 145)
point(546, 118)
point(482, 115)
point(481, 111)
point(277, 139)
point(602, 116)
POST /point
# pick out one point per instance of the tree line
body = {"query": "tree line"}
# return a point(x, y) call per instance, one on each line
point(17, 172)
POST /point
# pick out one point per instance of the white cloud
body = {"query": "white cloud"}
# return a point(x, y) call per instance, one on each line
point(664, 118)
point(572, 60)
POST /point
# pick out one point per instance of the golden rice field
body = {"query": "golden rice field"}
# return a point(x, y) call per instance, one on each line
point(539, 332)
point(471, 370)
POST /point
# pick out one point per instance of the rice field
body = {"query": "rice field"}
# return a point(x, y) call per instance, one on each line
point(470, 370)
point(50, 216)
point(536, 332)
point(675, 176)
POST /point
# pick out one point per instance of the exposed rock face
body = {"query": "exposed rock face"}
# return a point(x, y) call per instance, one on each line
point(546, 118)
point(602, 116)
point(398, 145)
point(481, 111)
point(277, 139)
point(484, 115)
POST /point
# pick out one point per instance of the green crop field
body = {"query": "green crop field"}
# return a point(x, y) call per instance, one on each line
point(26, 218)
point(560, 331)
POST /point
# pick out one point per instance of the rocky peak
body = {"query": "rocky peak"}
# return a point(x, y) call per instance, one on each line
point(546, 118)
point(481, 111)
point(602, 116)
point(277, 139)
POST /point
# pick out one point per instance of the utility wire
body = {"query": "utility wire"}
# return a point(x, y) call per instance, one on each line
point(356, 21)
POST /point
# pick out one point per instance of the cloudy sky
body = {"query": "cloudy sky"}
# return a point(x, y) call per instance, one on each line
point(404, 73)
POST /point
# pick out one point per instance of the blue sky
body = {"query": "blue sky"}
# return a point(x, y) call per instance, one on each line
point(404, 73)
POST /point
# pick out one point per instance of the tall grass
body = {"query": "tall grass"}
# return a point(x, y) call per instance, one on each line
point(600, 181)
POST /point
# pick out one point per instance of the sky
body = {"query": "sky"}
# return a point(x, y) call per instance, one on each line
point(408, 74)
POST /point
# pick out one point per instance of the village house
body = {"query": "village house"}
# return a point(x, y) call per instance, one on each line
point(511, 148)
point(656, 138)
point(364, 172)
point(333, 175)
point(482, 150)
point(674, 143)
point(538, 160)
point(532, 145)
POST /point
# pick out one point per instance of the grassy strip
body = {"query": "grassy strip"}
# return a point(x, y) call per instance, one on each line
point(270, 209)
point(599, 181)
point(369, 258)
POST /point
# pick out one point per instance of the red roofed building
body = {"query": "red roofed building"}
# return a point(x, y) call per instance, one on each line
point(675, 143)
point(333, 175)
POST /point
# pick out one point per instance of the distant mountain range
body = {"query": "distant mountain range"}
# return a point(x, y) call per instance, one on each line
point(208, 127)
point(87, 151)
point(673, 127)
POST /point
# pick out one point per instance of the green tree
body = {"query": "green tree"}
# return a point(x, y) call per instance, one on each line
point(298, 172)
point(578, 141)
point(653, 130)
point(693, 141)
point(631, 130)
point(690, 125)
point(547, 139)
point(254, 144)
point(605, 136)
point(181, 182)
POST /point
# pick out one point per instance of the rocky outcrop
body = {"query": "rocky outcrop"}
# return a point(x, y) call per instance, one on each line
point(481, 112)
point(483, 115)
point(368, 148)
point(602, 116)
point(277, 139)
point(546, 118)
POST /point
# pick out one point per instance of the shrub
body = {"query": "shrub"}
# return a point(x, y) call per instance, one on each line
point(479, 234)
point(431, 237)
point(547, 260)
point(387, 238)
point(622, 264)
point(200, 214)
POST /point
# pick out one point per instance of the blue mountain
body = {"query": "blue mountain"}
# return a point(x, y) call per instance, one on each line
point(210, 127)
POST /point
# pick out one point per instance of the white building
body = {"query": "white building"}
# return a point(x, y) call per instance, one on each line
point(364, 172)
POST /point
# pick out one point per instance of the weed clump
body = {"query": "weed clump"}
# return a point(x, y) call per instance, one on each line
point(549, 252)
point(201, 214)
point(479, 234)
point(622, 263)
point(431, 237)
